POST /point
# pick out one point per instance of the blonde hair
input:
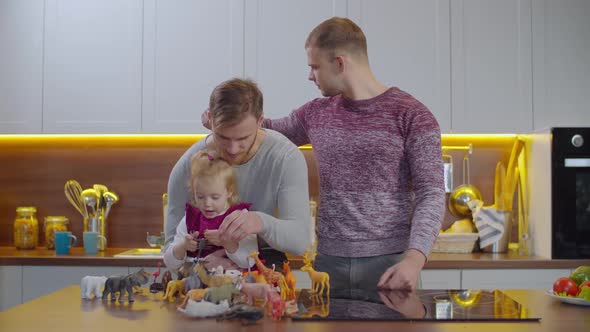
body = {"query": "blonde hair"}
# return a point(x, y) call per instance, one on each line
point(203, 165)
point(338, 34)
point(232, 100)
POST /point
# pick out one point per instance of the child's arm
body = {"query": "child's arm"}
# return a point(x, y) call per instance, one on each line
point(175, 254)
point(246, 246)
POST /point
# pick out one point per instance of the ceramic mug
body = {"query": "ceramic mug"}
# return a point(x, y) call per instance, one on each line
point(91, 242)
point(63, 242)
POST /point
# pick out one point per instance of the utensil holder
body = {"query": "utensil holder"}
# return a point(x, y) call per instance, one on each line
point(502, 244)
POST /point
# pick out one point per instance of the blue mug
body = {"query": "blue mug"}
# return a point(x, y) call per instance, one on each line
point(63, 242)
point(91, 243)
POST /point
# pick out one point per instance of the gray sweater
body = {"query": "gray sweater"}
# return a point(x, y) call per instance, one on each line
point(274, 181)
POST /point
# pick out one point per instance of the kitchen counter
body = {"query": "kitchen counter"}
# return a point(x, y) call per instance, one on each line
point(77, 257)
point(63, 310)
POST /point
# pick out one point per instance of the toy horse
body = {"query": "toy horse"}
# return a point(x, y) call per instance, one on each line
point(124, 283)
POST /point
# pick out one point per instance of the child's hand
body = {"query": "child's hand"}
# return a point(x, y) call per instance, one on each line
point(213, 237)
point(190, 242)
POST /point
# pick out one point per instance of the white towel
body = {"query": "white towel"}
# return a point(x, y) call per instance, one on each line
point(489, 222)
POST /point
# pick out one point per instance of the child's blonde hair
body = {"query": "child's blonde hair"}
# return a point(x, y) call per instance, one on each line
point(203, 165)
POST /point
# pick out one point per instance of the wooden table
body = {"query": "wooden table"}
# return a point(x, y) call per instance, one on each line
point(65, 311)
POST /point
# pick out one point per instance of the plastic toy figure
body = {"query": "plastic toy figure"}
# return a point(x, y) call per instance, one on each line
point(196, 295)
point(275, 304)
point(218, 294)
point(174, 287)
point(272, 277)
point(212, 280)
point(124, 284)
point(318, 279)
point(246, 313)
point(92, 285)
point(290, 280)
point(254, 291)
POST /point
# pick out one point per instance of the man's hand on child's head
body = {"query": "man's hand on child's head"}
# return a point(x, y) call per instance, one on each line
point(190, 241)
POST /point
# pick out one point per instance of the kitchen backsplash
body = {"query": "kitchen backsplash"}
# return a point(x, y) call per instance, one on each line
point(35, 168)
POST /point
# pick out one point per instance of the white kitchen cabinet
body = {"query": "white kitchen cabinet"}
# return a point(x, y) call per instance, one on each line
point(92, 66)
point(511, 278)
point(409, 47)
point(491, 62)
point(41, 280)
point(561, 65)
point(275, 34)
point(189, 48)
point(21, 66)
point(441, 279)
point(11, 286)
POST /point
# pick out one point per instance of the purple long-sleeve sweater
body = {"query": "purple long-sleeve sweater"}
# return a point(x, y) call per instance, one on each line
point(380, 168)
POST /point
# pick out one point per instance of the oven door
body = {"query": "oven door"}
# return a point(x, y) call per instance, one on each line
point(571, 207)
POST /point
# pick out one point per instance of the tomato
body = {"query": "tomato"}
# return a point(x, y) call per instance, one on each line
point(582, 285)
point(565, 286)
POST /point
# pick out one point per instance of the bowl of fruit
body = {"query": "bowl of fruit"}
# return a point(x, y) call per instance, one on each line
point(574, 289)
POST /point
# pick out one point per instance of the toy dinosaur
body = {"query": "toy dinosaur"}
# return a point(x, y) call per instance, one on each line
point(124, 284)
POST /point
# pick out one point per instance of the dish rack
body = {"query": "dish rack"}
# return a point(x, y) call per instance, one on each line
point(455, 243)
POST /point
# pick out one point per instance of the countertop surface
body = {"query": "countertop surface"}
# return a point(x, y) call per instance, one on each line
point(77, 257)
point(64, 310)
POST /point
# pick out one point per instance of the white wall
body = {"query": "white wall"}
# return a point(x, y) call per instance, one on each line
point(148, 66)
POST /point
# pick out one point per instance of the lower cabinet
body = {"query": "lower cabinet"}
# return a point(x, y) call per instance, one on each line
point(11, 286)
point(511, 279)
point(42, 280)
point(441, 279)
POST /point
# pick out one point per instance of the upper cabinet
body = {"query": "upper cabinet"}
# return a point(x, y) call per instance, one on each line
point(149, 66)
point(21, 66)
point(491, 74)
point(189, 48)
point(92, 66)
point(275, 33)
point(408, 46)
point(561, 62)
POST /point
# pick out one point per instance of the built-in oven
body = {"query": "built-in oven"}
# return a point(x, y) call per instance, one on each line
point(567, 183)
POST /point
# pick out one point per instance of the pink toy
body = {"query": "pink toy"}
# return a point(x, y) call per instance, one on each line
point(275, 304)
point(255, 291)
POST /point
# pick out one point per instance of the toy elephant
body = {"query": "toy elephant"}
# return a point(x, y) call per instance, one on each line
point(124, 283)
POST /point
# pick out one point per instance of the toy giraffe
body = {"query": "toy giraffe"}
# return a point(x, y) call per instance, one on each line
point(272, 277)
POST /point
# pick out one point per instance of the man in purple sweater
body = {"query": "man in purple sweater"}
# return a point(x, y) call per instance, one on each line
point(380, 167)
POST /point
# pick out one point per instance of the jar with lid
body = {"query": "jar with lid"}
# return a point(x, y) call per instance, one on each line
point(26, 228)
point(54, 224)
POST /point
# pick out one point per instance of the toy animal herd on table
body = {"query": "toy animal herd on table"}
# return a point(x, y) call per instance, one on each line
point(208, 293)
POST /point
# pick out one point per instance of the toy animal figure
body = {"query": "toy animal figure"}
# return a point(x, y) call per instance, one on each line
point(212, 280)
point(318, 279)
point(290, 280)
point(174, 287)
point(247, 313)
point(166, 278)
point(192, 282)
point(272, 277)
point(275, 304)
point(92, 285)
point(195, 295)
point(218, 294)
point(254, 291)
point(204, 309)
point(124, 284)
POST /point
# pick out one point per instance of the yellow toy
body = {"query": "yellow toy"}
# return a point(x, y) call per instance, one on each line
point(194, 294)
point(174, 286)
point(319, 280)
point(271, 276)
point(212, 280)
point(290, 279)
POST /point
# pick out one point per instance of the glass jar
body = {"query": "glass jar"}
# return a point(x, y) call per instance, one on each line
point(26, 228)
point(54, 224)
